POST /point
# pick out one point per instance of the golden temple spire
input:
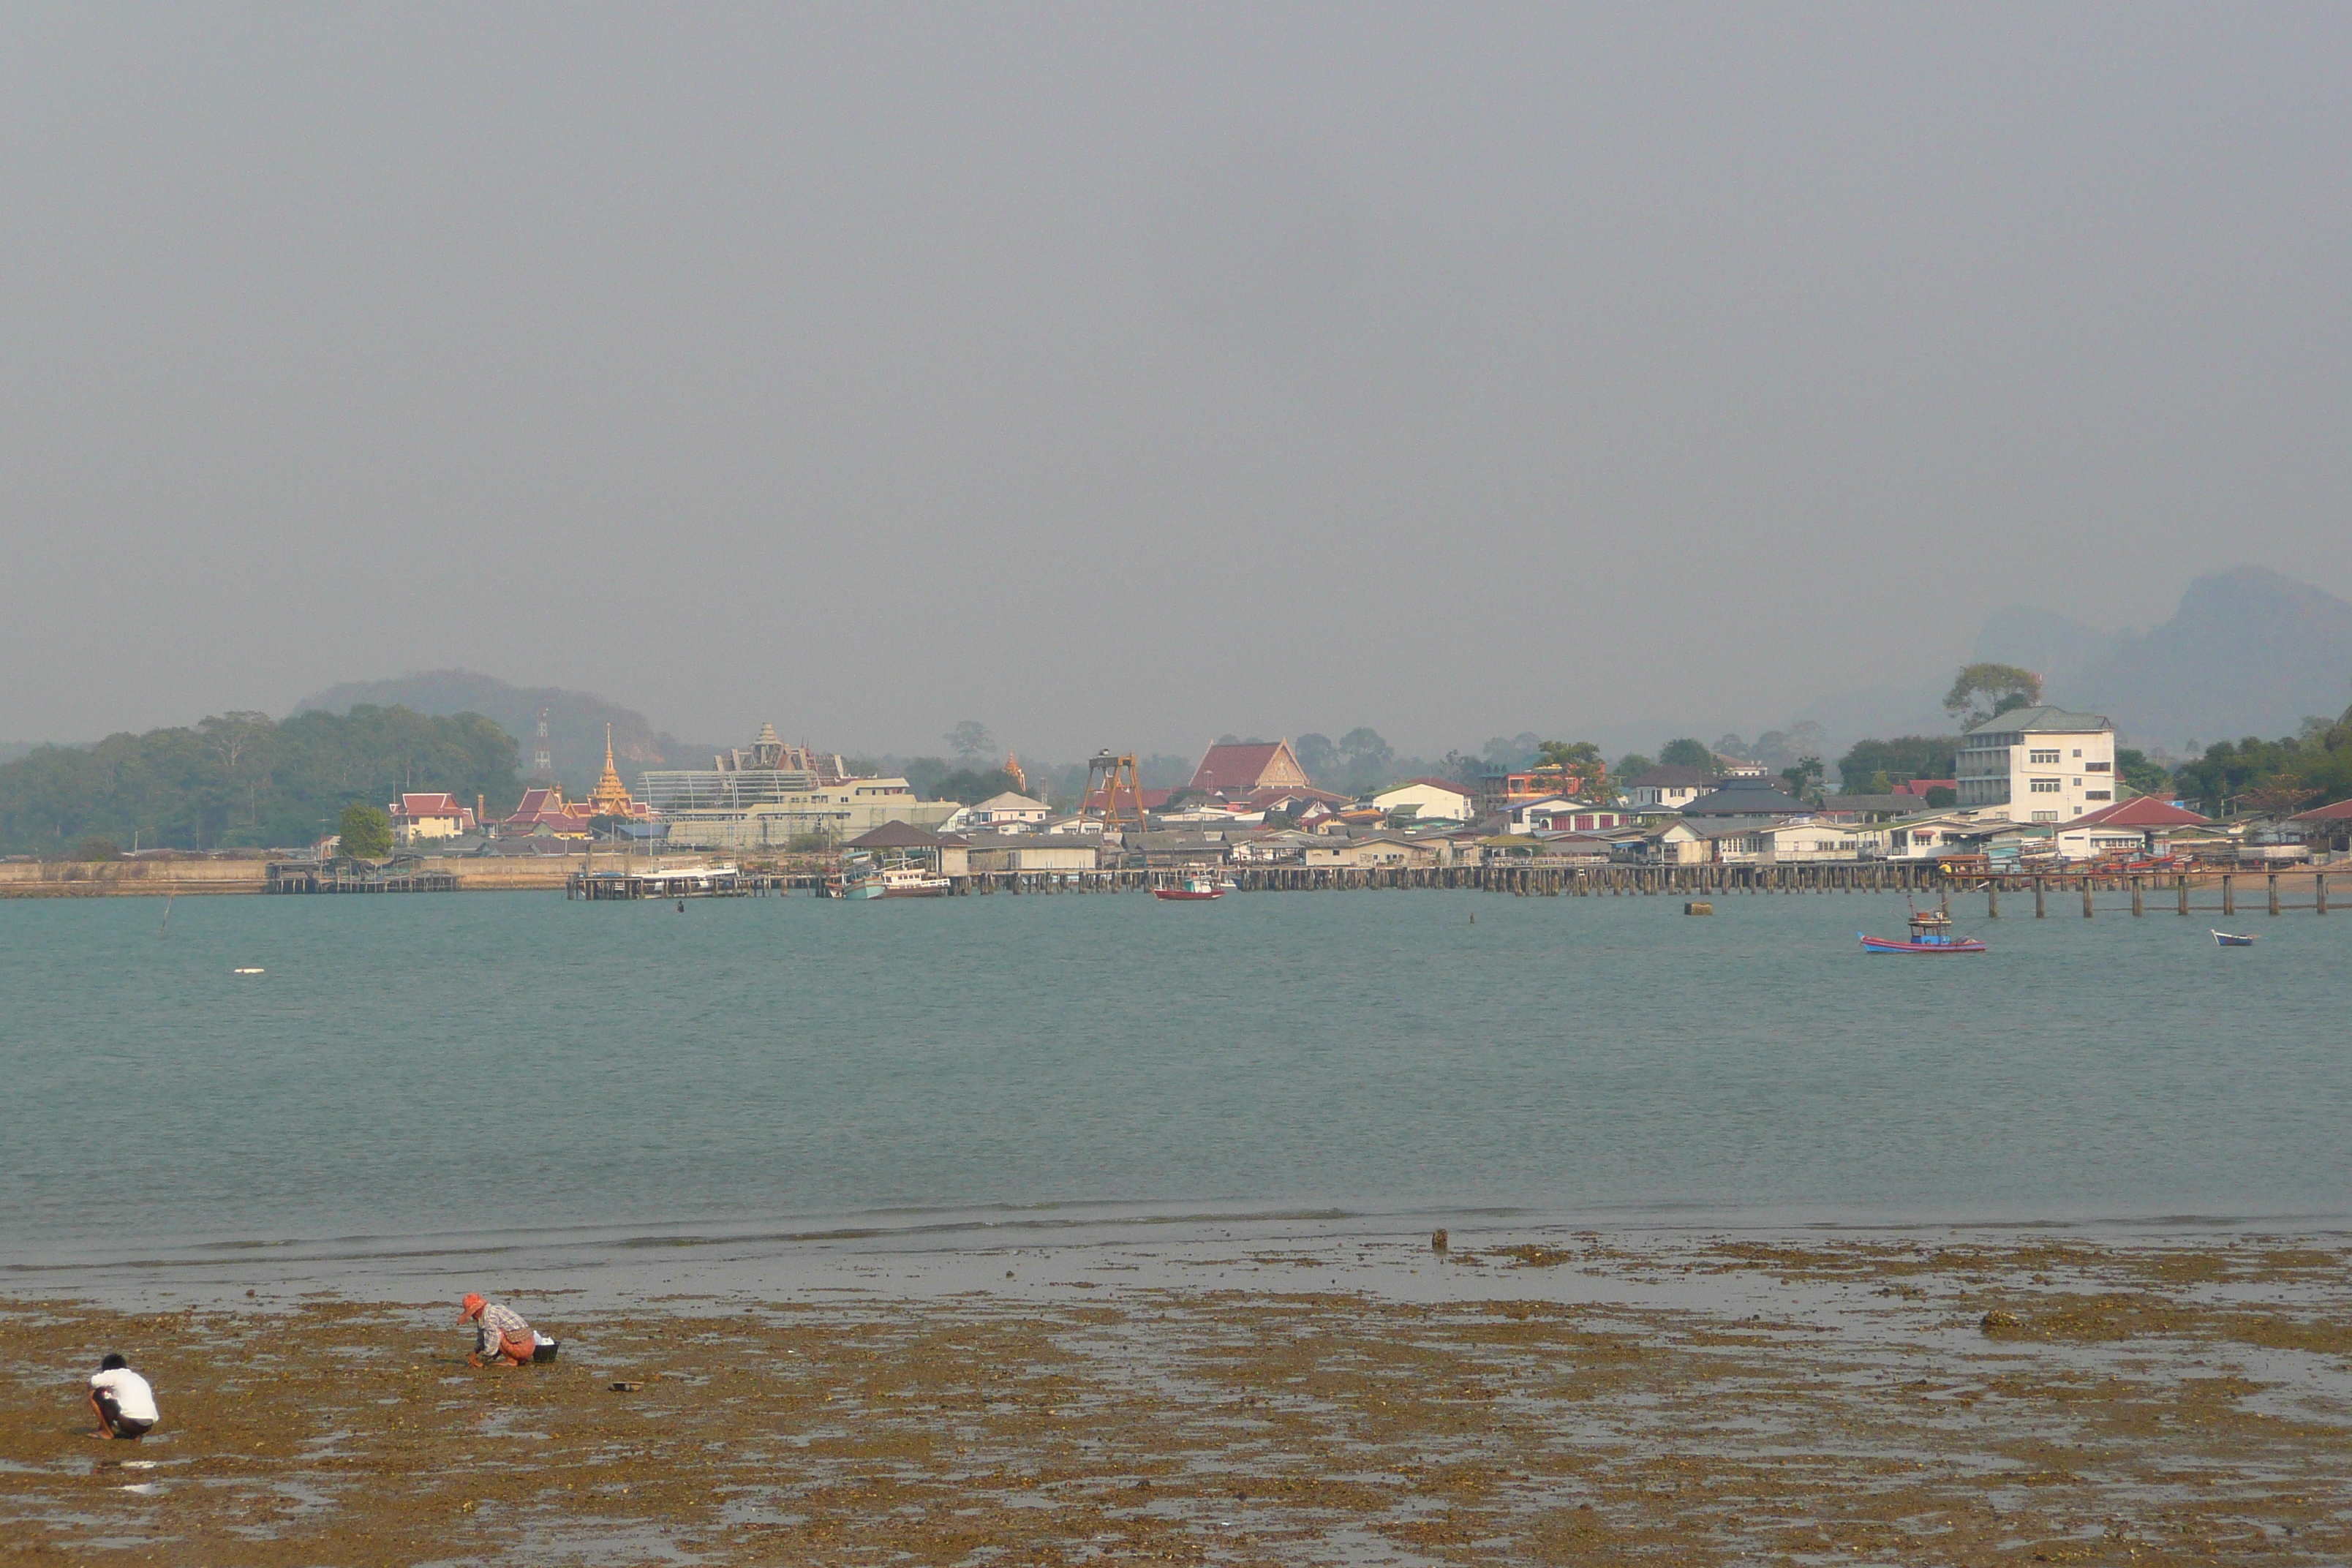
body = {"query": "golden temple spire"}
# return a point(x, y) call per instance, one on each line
point(612, 796)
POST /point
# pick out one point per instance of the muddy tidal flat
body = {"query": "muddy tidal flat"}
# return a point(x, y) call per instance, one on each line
point(1546, 1397)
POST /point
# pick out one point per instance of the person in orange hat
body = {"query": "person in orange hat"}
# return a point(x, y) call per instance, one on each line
point(499, 1331)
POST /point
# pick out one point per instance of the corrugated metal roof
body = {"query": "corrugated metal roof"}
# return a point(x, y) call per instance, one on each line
point(2041, 717)
point(1747, 797)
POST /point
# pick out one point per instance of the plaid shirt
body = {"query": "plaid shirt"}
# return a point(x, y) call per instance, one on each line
point(498, 1321)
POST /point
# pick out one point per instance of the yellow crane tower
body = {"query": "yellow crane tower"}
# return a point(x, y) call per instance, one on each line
point(1122, 799)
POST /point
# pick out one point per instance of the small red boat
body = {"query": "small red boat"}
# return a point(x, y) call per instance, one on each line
point(1930, 932)
point(1195, 889)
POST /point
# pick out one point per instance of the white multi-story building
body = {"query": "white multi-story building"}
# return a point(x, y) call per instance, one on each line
point(2037, 764)
point(1669, 788)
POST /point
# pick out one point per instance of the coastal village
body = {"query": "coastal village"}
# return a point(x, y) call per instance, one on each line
point(2034, 789)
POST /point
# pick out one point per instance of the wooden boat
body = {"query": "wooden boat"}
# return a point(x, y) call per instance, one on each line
point(1195, 889)
point(1931, 932)
point(2232, 939)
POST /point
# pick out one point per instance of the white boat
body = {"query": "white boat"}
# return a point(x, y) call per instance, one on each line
point(906, 881)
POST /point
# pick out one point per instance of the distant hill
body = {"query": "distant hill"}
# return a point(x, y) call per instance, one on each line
point(575, 722)
point(11, 750)
point(2249, 652)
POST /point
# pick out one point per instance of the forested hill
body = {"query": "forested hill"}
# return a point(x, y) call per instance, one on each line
point(575, 720)
point(244, 779)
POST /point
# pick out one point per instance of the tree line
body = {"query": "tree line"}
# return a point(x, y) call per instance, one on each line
point(240, 780)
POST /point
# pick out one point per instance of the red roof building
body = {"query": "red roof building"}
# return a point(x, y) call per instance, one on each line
point(2143, 812)
point(2135, 827)
point(544, 811)
point(429, 815)
point(1239, 770)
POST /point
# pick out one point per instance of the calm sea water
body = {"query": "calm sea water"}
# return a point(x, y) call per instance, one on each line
point(504, 1064)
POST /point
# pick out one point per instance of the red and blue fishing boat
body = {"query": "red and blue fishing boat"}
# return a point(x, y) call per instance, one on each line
point(1931, 932)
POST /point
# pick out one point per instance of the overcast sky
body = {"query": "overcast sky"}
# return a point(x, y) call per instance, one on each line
point(1124, 376)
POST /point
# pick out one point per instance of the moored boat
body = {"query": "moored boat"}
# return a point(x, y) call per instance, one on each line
point(1195, 889)
point(1931, 932)
point(2232, 939)
point(901, 881)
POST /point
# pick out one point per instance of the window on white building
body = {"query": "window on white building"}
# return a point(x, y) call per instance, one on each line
point(2043, 756)
point(2045, 786)
point(2046, 817)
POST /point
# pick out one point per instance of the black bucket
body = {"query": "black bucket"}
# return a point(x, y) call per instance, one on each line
point(547, 1351)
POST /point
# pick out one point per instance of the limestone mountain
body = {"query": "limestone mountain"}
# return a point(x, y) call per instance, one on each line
point(2249, 652)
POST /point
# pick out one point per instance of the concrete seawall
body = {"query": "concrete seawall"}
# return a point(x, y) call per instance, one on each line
point(88, 879)
point(81, 880)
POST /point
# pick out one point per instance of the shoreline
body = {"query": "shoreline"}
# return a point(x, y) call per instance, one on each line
point(922, 1254)
point(1912, 1396)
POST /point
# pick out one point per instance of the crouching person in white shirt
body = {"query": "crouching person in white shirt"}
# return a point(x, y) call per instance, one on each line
point(124, 1401)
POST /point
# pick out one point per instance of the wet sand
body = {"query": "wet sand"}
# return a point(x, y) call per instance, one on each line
point(1541, 1397)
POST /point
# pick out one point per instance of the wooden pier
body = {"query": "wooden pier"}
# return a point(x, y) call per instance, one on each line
point(2176, 888)
point(341, 877)
point(692, 883)
point(2309, 888)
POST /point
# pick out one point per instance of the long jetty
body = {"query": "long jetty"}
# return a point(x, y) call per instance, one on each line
point(2209, 891)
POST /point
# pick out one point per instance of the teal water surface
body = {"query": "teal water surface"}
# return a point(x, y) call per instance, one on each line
point(498, 1063)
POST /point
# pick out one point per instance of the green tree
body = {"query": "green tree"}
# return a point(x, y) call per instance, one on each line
point(2228, 771)
point(1367, 756)
point(1686, 753)
point(1502, 755)
point(366, 831)
point(242, 779)
point(1904, 758)
point(2141, 776)
point(1317, 756)
point(1461, 767)
point(969, 741)
point(1633, 764)
point(1804, 779)
point(1569, 754)
point(1981, 690)
point(970, 786)
point(1941, 795)
point(1582, 761)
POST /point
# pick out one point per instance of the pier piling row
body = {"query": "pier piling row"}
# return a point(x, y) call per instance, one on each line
point(1597, 881)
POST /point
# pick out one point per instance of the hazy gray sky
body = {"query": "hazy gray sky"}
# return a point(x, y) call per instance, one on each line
point(1127, 374)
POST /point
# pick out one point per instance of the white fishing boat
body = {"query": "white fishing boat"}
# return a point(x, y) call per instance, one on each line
point(904, 879)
